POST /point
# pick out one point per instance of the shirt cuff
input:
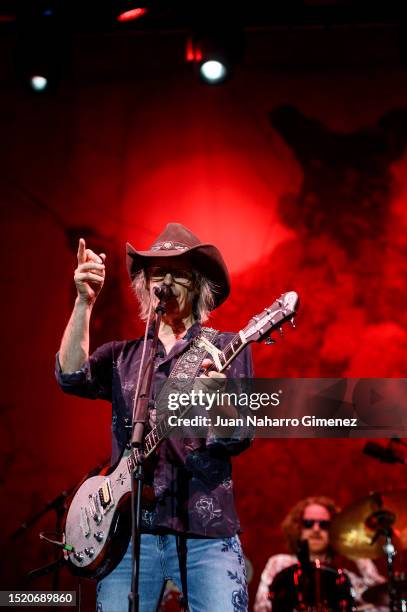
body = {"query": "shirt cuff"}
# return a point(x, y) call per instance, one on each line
point(69, 378)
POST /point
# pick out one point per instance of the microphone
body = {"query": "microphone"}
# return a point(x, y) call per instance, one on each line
point(384, 454)
point(163, 292)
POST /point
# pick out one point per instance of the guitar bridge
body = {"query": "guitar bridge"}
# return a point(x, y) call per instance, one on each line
point(85, 522)
point(95, 508)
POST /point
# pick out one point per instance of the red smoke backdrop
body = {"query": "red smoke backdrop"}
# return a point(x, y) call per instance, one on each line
point(298, 176)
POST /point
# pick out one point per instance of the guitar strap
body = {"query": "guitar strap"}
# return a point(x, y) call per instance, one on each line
point(185, 369)
point(187, 366)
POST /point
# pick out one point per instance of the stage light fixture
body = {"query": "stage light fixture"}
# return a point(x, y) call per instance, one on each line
point(214, 54)
point(213, 71)
point(38, 83)
point(131, 14)
point(126, 11)
point(43, 45)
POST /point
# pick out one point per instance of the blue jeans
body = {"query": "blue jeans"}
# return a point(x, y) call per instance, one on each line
point(216, 575)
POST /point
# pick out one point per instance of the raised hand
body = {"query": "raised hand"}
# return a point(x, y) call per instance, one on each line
point(90, 274)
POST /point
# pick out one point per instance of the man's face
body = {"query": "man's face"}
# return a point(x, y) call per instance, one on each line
point(315, 528)
point(181, 278)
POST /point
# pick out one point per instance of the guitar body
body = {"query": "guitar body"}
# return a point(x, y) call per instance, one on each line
point(98, 522)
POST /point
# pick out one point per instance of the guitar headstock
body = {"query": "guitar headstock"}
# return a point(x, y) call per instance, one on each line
point(274, 317)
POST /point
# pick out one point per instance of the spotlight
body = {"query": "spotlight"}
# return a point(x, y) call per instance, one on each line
point(131, 14)
point(130, 10)
point(38, 82)
point(214, 54)
point(213, 71)
point(42, 45)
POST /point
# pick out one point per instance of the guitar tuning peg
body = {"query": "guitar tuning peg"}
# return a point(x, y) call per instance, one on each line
point(280, 329)
point(292, 321)
point(270, 340)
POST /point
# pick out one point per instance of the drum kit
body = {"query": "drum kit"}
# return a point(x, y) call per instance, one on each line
point(372, 527)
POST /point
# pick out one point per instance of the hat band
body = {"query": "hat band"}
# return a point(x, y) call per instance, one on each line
point(169, 245)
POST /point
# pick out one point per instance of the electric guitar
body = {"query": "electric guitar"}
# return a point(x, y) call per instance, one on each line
point(97, 524)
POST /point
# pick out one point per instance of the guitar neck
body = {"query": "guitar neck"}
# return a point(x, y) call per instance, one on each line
point(231, 350)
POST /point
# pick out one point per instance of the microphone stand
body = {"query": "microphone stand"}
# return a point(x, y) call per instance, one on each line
point(382, 521)
point(58, 504)
point(163, 293)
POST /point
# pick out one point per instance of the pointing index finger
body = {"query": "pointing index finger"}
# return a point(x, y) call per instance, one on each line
point(81, 251)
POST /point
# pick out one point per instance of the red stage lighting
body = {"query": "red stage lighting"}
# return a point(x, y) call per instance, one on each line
point(132, 14)
point(193, 51)
point(7, 18)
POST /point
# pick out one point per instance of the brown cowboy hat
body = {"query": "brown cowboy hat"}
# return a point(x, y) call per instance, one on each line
point(179, 242)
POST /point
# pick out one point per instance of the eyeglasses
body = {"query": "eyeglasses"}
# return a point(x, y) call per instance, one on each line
point(309, 523)
point(180, 276)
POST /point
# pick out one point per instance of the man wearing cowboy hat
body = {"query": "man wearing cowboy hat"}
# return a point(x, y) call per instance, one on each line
point(194, 501)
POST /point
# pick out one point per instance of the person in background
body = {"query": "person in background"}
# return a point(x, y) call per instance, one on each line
point(309, 520)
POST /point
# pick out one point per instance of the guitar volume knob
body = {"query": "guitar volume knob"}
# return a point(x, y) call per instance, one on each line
point(99, 535)
point(90, 551)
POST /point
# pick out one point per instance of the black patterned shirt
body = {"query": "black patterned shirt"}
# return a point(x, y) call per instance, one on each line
point(191, 477)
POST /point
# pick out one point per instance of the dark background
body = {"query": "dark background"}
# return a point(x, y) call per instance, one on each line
point(295, 168)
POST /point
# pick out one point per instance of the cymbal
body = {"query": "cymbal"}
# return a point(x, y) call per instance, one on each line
point(379, 594)
point(353, 530)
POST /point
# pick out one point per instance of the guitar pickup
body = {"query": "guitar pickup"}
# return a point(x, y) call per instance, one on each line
point(105, 494)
